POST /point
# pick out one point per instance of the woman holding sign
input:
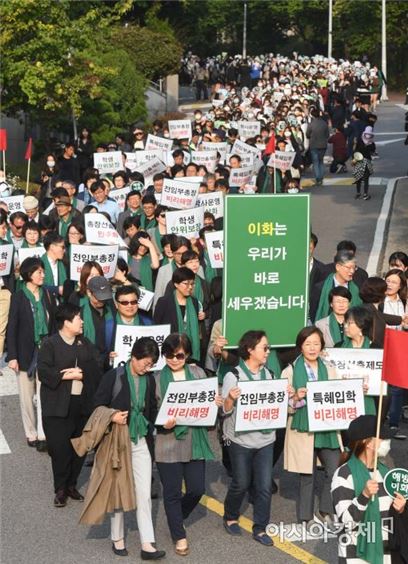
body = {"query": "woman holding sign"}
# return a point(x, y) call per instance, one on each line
point(181, 451)
point(302, 447)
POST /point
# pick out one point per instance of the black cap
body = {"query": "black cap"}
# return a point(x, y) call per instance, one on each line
point(365, 427)
point(100, 288)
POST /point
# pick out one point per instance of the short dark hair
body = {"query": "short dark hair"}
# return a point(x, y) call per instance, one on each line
point(17, 215)
point(341, 257)
point(177, 153)
point(347, 246)
point(135, 244)
point(89, 208)
point(29, 266)
point(47, 222)
point(362, 317)
point(59, 192)
point(126, 291)
point(176, 341)
point(248, 341)
point(194, 165)
point(31, 226)
point(341, 291)
point(181, 274)
point(179, 241)
point(51, 238)
point(3, 216)
point(314, 239)
point(149, 199)
point(146, 347)
point(188, 255)
point(131, 220)
point(398, 256)
point(175, 169)
point(136, 176)
point(97, 185)
point(66, 312)
point(306, 332)
point(120, 174)
point(160, 209)
point(373, 290)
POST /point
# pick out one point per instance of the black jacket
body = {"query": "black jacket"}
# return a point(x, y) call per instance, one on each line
point(380, 321)
point(20, 328)
point(318, 273)
point(56, 355)
point(359, 277)
point(166, 312)
point(114, 392)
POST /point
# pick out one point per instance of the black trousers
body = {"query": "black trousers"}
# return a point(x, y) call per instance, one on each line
point(66, 464)
point(176, 505)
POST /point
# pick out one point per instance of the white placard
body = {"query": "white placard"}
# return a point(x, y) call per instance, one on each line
point(150, 168)
point(282, 160)
point(332, 405)
point(194, 179)
point(30, 252)
point(14, 203)
point(6, 259)
point(240, 176)
point(138, 158)
point(99, 230)
point(215, 248)
point(241, 148)
point(179, 195)
point(263, 404)
point(358, 363)
point(221, 148)
point(212, 202)
point(146, 298)
point(127, 335)
point(185, 222)
point(247, 161)
point(180, 129)
point(248, 129)
point(119, 195)
point(105, 255)
point(108, 162)
point(191, 402)
point(155, 142)
point(205, 158)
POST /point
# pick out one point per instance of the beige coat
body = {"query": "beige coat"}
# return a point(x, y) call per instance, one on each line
point(111, 486)
point(324, 326)
point(299, 447)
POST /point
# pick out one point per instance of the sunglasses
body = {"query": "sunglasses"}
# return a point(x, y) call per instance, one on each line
point(128, 302)
point(177, 356)
point(18, 228)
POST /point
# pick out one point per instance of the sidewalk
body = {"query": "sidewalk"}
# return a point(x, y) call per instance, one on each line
point(396, 238)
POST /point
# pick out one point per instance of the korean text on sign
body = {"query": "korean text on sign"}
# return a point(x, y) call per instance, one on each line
point(105, 256)
point(127, 335)
point(262, 405)
point(99, 230)
point(185, 222)
point(179, 195)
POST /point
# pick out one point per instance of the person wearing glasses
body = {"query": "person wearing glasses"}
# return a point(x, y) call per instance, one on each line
point(14, 235)
point(53, 259)
point(345, 266)
point(131, 389)
point(175, 444)
point(332, 326)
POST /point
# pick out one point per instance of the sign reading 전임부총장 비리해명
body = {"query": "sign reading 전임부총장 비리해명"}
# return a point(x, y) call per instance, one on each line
point(266, 266)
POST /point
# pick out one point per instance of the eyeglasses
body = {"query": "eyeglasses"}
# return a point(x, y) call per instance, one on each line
point(128, 302)
point(350, 268)
point(189, 284)
point(350, 322)
point(18, 228)
point(177, 356)
point(265, 348)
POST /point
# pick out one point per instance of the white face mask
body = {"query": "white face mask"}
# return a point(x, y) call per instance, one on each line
point(384, 448)
point(50, 164)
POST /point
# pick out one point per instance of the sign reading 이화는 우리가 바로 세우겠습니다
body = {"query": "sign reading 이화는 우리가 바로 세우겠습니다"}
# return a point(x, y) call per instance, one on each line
point(266, 266)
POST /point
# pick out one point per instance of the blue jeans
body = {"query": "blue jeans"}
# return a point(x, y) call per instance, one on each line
point(397, 399)
point(250, 467)
point(317, 160)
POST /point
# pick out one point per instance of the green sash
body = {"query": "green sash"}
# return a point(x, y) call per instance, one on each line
point(210, 272)
point(369, 547)
point(89, 327)
point(200, 443)
point(145, 223)
point(198, 290)
point(369, 404)
point(145, 271)
point(334, 328)
point(300, 420)
point(40, 318)
point(324, 306)
point(25, 245)
point(189, 326)
point(157, 238)
point(138, 424)
point(49, 278)
point(63, 224)
point(273, 364)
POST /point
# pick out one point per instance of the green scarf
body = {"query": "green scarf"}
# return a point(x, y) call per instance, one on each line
point(300, 421)
point(250, 377)
point(210, 272)
point(40, 318)
point(49, 278)
point(198, 290)
point(372, 550)
point(369, 404)
point(157, 238)
point(138, 424)
point(145, 271)
point(63, 224)
point(199, 435)
point(324, 306)
point(147, 223)
point(334, 329)
point(273, 364)
point(189, 326)
point(89, 327)
point(136, 320)
point(222, 370)
point(25, 245)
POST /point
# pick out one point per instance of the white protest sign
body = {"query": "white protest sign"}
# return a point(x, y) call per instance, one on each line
point(212, 202)
point(6, 259)
point(241, 148)
point(205, 158)
point(139, 158)
point(30, 252)
point(155, 142)
point(100, 230)
point(180, 195)
point(248, 129)
point(263, 404)
point(195, 179)
point(221, 148)
point(150, 168)
point(282, 160)
point(146, 298)
point(185, 222)
point(240, 176)
point(105, 255)
point(108, 162)
point(127, 335)
point(191, 402)
point(180, 129)
point(215, 248)
point(119, 195)
point(333, 404)
point(247, 161)
point(358, 363)
point(14, 203)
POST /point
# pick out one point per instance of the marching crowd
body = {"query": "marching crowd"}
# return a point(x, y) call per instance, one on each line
point(58, 335)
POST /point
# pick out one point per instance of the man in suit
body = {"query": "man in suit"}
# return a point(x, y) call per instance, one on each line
point(316, 267)
point(360, 275)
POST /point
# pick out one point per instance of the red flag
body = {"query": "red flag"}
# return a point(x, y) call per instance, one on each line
point(3, 139)
point(395, 359)
point(29, 150)
point(270, 147)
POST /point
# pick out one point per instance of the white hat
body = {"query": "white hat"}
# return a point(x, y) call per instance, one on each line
point(358, 156)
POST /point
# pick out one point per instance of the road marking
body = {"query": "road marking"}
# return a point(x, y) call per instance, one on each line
point(374, 257)
point(403, 106)
point(389, 133)
point(8, 382)
point(374, 181)
point(246, 524)
point(382, 143)
point(4, 448)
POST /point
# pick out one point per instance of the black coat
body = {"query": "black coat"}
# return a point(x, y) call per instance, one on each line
point(380, 321)
point(318, 273)
point(20, 328)
point(114, 392)
point(166, 312)
point(56, 355)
